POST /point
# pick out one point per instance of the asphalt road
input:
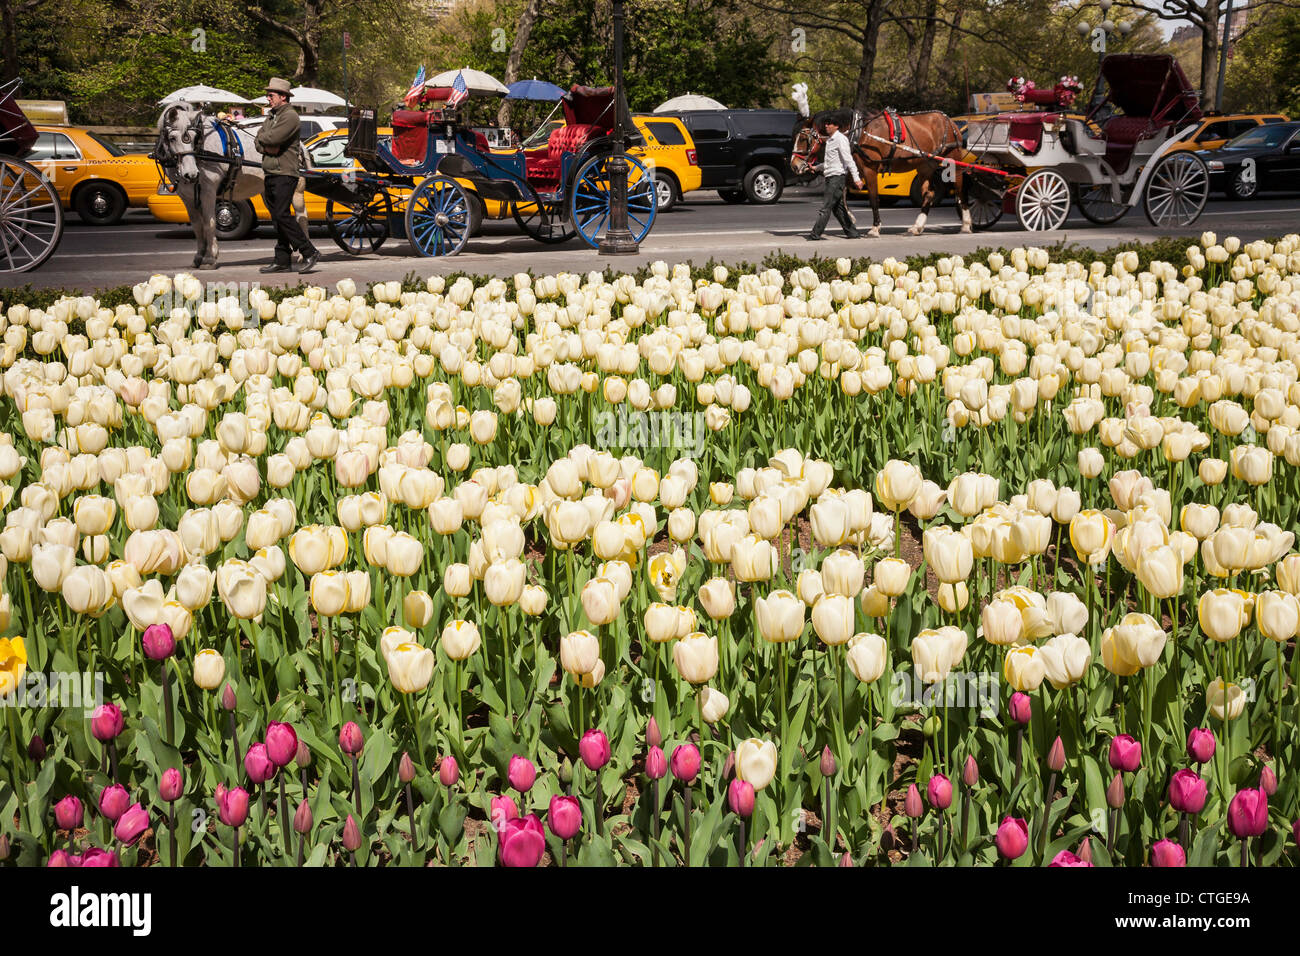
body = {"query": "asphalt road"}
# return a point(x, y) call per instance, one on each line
point(92, 258)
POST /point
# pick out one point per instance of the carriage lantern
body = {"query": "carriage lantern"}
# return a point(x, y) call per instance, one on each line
point(1102, 32)
point(618, 241)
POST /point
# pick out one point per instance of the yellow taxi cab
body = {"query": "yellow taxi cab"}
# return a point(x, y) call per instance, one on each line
point(667, 149)
point(1217, 128)
point(92, 175)
point(324, 152)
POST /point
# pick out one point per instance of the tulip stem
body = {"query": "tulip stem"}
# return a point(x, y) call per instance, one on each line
point(965, 816)
point(234, 845)
point(171, 830)
point(356, 784)
point(686, 820)
point(1020, 746)
point(600, 807)
point(1245, 851)
point(410, 815)
point(654, 822)
point(261, 680)
point(20, 791)
point(234, 751)
point(1047, 812)
point(284, 815)
point(744, 845)
point(167, 704)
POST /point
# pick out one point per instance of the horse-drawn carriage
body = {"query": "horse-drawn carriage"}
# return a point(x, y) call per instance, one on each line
point(412, 184)
point(1111, 159)
point(31, 217)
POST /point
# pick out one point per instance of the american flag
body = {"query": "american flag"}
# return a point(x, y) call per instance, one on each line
point(417, 85)
point(459, 91)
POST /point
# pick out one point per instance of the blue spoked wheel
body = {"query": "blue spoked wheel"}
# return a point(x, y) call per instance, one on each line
point(361, 226)
point(591, 199)
point(438, 218)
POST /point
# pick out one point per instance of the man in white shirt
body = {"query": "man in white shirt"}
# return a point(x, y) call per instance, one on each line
point(837, 165)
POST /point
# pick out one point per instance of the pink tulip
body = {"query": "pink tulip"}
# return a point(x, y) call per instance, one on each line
point(1187, 791)
point(740, 797)
point(350, 739)
point(106, 722)
point(1021, 708)
point(1268, 780)
point(113, 801)
point(521, 773)
point(405, 768)
point(232, 806)
point(912, 805)
point(1248, 813)
point(351, 835)
point(846, 860)
point(1125, 754)
point(228, 698)
point(503, 810)
point(656, 766)
point(593, 748)
point(1012, 838)
point(686, 763)
point(448, 771)
point(564, 817)
point(522, 842)
point(1295, 831)
point(131, 824)
point(1085, 850)
point(1066, 858)
point(68, 813)
point(159, 643)
point(61, 858)
point(302, 818)
point(939, 792)
point(1115, 792)
point(1168, 853)
point(172, 785)
point(1056, 756)
point(827, 766)
point(258, 765)
point(970, 772)
point(653, 737)
point(281, 743)
point(1200, 744)
point(97, 857)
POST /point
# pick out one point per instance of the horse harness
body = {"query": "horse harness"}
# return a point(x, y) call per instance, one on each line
point(232, 153)
point(897, 139)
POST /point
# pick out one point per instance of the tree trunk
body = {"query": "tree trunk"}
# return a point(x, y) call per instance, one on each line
point(921, 77)
point(1210, 55)
point(867, 65)
point(523, 30)
point(10, 42)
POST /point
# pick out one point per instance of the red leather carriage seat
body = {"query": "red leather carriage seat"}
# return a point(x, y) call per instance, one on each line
point(544, 166)
point(410, 136)
point(1121, 134)
point(1027, 131)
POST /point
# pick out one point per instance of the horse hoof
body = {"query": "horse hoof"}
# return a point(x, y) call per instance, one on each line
point(198, 262)
point(966, 230)
point(913, 231)
point(207, 266)
point(874, 233)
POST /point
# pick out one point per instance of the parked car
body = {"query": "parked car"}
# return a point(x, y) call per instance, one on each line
point(91, 175)
point(1266, 157)
point(743, 154)
point(1215, 130)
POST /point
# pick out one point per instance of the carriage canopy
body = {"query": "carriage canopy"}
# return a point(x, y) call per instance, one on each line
point(1150, 85)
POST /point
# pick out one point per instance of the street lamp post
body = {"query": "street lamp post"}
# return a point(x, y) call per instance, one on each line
point(1100, 35)
point(618, 240)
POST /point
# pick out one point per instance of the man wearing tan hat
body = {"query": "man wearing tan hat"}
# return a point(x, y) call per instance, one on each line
point(282, 162)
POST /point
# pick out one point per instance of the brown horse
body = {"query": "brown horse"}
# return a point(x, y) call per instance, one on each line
point(886, 142)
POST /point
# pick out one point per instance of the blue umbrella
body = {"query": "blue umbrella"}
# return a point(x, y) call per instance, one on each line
point(534, 89)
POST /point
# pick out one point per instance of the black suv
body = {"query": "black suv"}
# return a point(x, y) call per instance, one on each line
point(743, 154)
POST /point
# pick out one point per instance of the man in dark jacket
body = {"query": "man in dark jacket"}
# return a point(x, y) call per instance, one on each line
point(282, 162)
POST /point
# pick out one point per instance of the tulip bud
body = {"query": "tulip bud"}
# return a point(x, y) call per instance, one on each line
point(171, 786)
point(846, 860)
point(350, 739)
point(36, 748)
point(729, 768)
point(1268, 780)
point(351, 835)
point(970, 772)
point(405, 768)
point(1115, 792)
point(1125, 754)
point(594, 749)
point(521, 773)
point(302, 818)
point(1021, 708)
point(1248, 813)
point(113, 801)
point(655, 764)
point(159, 643)
point(1168, 853)
point(1200, 744)
point(1012, 838)
point(106, 722)
point(828, 762)
point(1187, 791)
point(1056, 756)
point(303, 757)
point(1085, 850)
point(232, 806)
point(564, 817)
point(448, 771)
point(68, 813)
point(4, 850)
point(652, 736)
point(565, 773)
point(258, 765)
point(281, 743)
point(912, 805)
point(686, 763)
point(740, 797)
point(228, 699)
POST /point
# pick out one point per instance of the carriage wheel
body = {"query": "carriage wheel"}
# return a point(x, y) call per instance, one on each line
point(1097, 206)
point(1177, 190)
point(984, 199)
point(590, 205)
point(438, 219)
point(362, 226)
point(1043, 201)
point(31, 217)
point(544, 221)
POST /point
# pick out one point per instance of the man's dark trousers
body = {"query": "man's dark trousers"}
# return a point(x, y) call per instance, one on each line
point(278, 193)
point(833, 201)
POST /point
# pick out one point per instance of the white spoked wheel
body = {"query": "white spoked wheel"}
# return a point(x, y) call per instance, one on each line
point(1177, 191)
point(1043, 201)
point(31, 217)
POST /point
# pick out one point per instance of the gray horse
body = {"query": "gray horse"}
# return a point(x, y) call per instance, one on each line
point(205, 164)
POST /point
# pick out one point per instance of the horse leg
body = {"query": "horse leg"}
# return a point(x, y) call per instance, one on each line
point(873, 192)
point(960, 198)
point(928, 192)
point(200, 232)
point(209, 216)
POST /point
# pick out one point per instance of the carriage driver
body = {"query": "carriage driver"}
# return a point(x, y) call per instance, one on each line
point(837, 166)
point(282, 162)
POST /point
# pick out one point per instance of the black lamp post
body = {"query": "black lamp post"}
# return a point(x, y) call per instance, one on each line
point(618, 240)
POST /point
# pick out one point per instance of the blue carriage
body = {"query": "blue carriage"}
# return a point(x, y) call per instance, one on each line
point(428, 180)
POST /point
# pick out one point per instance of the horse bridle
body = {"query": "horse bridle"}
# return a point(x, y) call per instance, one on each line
point(166, 156)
